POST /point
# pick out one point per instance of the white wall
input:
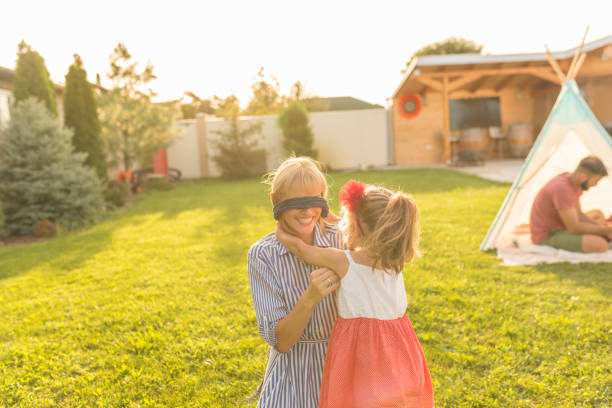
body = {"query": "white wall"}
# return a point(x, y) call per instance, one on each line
point(345, 140)
point(183, 154)
point(351, 139)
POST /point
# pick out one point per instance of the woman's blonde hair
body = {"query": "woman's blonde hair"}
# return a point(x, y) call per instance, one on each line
point(389, 223)
point(295, 173)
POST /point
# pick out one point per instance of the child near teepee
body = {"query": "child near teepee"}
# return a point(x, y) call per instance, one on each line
point(374, 358)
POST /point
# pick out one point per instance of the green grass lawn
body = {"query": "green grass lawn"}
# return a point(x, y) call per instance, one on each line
point(152, 307)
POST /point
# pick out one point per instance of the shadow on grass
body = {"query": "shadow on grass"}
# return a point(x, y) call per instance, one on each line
point(212, 193)
point(61, 254)
point(239, 201)
point(596, 276)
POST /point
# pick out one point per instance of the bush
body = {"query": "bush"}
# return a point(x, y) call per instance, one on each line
point(298, 137)
point(117, 195)
point(237, 156)
point(45, 229)
point(42, 178)
point(158, 183)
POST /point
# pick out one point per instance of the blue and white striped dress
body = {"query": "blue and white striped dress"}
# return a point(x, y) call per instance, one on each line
point(278, 279)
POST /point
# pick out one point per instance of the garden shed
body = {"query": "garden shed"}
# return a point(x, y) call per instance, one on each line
point(489, 105)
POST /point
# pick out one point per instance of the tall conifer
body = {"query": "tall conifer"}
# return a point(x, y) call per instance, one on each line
point(32, 78)
point(81, 115)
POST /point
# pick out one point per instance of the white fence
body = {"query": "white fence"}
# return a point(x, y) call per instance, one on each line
point(345, 140)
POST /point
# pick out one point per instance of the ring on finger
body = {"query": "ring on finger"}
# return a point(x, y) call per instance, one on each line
point(331, 282)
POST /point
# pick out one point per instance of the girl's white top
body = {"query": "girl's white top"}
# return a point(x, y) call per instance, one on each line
point(375, 294)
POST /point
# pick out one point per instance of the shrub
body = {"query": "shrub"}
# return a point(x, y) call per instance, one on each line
point(116, 195)
point(45, 229)
point(158, 183)
point(237, 155)
point(298, 138)
point(42, 178)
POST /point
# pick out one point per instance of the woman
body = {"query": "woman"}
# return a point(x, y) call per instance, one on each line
point(295, 313)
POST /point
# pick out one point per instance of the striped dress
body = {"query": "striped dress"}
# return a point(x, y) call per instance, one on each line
point(278, 279)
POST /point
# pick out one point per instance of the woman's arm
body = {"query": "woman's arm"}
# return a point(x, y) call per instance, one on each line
point(278, 326)
point(332, 258)
point(289, 329)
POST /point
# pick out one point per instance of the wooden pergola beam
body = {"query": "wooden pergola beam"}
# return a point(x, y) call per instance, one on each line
point(429, 82)
point(458, 83)
point(446, 118)
point(504, 83)
point(547, 75)
point(488, 72)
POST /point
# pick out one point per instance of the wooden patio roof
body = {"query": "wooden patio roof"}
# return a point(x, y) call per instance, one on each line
point(470, 72)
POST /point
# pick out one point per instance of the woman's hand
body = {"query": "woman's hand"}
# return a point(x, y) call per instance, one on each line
point(323, 281)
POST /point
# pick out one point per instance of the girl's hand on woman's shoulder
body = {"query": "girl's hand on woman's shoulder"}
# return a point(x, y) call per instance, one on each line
point(332, 218)
point(285, 238)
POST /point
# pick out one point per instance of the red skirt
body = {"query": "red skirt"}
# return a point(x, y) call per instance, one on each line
point(372, 363)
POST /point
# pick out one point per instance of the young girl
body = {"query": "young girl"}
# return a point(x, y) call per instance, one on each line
point(294, 311)
point(374, 358)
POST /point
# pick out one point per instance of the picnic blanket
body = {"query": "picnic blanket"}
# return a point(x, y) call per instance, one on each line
point(538, 254)
point(517, 249)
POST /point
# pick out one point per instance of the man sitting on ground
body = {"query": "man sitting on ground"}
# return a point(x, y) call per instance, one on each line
point(557, 219)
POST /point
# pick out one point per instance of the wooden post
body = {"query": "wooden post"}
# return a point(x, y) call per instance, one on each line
point(202, 144)
point(446, 115)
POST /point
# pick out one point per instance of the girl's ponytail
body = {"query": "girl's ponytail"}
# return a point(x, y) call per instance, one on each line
point(394, 239)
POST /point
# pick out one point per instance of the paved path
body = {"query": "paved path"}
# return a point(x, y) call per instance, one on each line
point(498, 170)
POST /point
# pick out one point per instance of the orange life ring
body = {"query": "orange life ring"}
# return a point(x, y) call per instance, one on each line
point(410, 106)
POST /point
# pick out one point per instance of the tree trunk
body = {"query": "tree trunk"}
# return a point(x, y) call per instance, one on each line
point(126, 154)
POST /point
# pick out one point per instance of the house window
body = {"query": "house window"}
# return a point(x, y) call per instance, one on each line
point(474, 113)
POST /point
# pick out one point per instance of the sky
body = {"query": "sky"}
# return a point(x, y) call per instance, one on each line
point(336, 48)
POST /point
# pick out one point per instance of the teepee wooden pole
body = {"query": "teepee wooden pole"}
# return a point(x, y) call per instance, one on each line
point(555, 65)
point(578, 53)
point(578, 66)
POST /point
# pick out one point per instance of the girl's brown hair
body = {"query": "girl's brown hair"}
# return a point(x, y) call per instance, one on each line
point(389, 223)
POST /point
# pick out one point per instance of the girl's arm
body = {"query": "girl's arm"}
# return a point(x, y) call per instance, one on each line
point(331, 258)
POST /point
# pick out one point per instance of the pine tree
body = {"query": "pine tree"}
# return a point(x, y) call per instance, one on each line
point(42, 177)
point(237, 153)
point(32, 78)
point(81, 115)
point(298, 137)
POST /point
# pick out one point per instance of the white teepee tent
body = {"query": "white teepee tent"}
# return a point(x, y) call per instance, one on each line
point(570, 133)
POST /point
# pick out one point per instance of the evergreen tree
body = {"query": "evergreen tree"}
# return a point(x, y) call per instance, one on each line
point(81, 115)
point(237, 154)
point(42, 177)
point(298, 137)
point(32, 78)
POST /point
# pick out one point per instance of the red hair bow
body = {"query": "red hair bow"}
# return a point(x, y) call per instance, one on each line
point(351, 195)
